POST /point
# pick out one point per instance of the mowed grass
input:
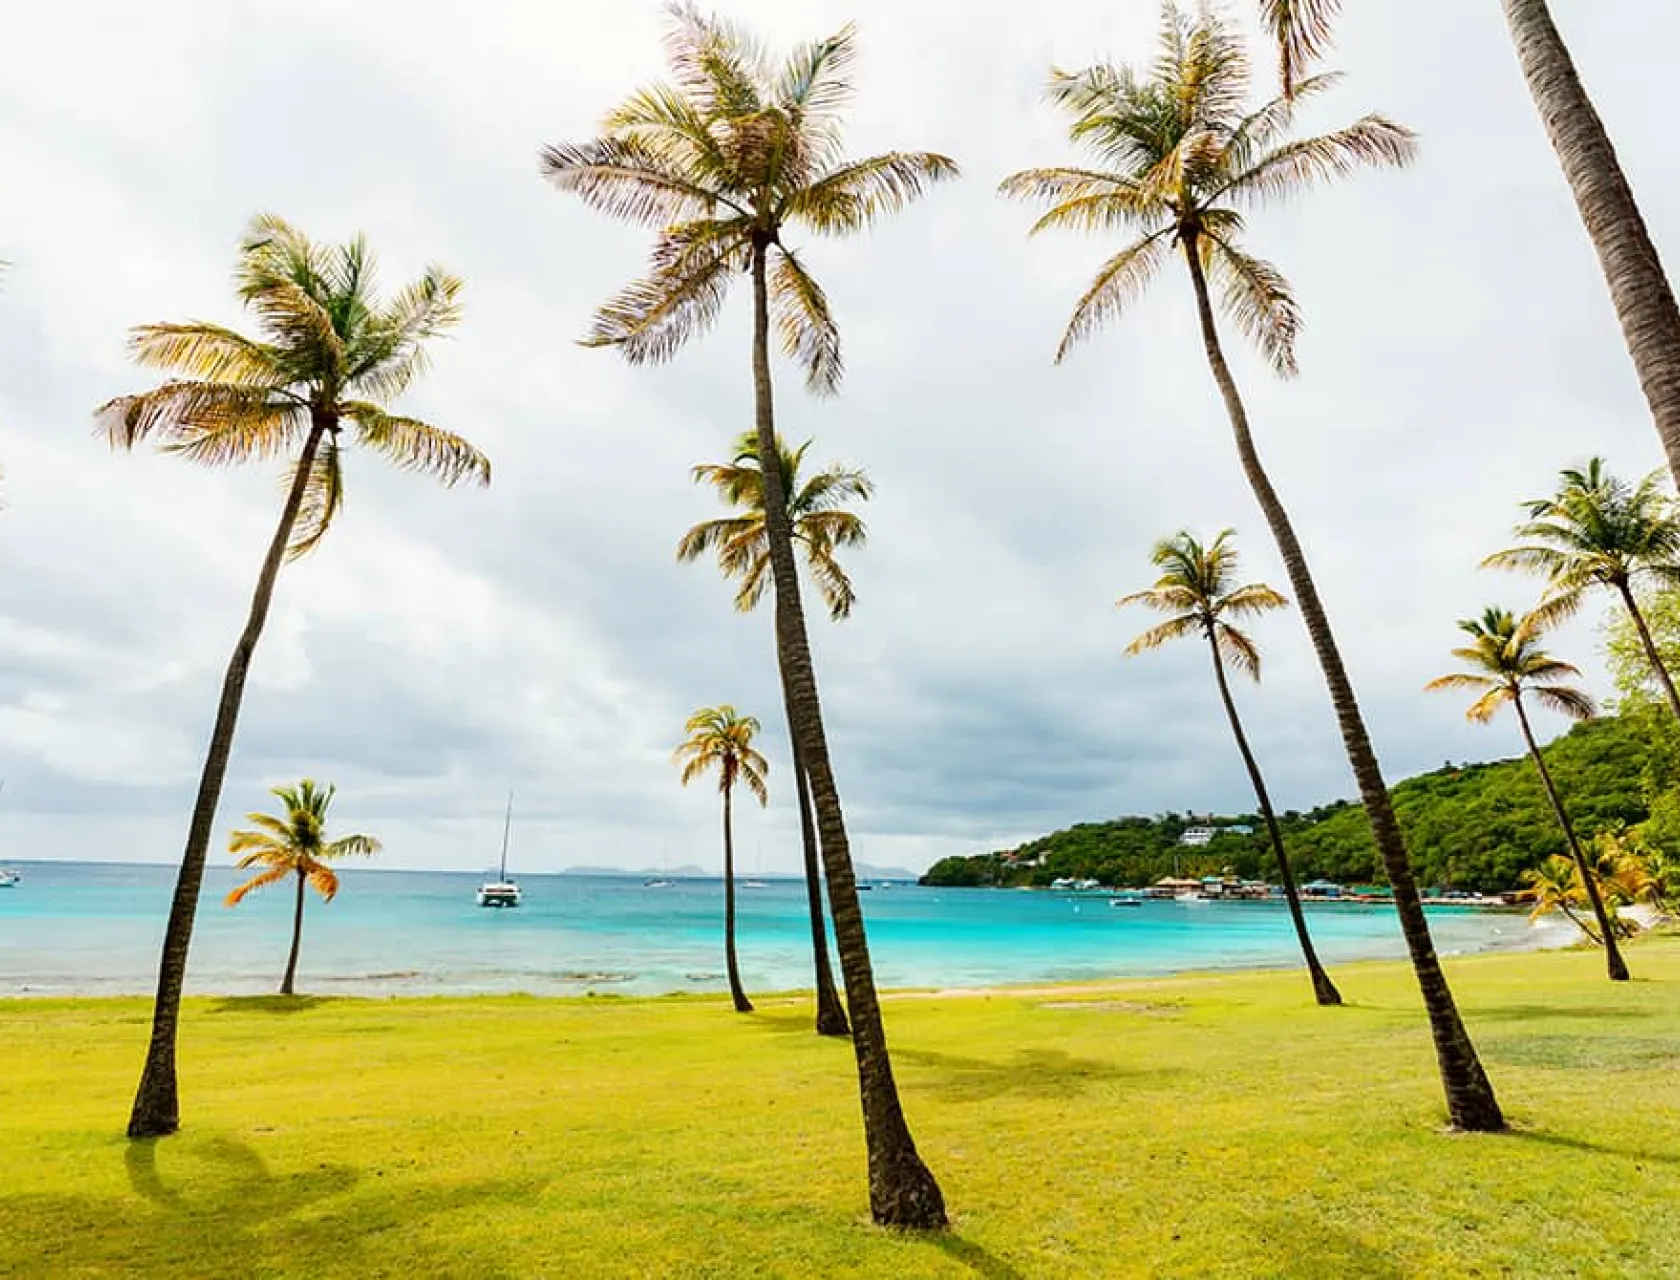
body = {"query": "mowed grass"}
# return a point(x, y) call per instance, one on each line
point(1201, 1126)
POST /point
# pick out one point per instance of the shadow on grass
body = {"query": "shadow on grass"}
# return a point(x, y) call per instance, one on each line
point(271, 1004)
point(1307, 1248)
point(1585, 1052)
point(986, 1265)
point(1543, 1138)
point(1051, 1072)
point(1548, 1012)
point(214, 1200)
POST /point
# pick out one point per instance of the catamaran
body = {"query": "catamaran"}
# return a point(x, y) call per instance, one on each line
point(501, 892)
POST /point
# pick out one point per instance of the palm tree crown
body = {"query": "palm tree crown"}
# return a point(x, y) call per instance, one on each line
point(1507, 661)
point(1596, 530)
point(331, 353)
point(720, 738)
point(295, 844)
point(719, 162)
point(1179, 158)
point(1197, 587)
point(815, 510)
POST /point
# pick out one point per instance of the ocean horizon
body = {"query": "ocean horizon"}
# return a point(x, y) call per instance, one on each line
point(95, 928)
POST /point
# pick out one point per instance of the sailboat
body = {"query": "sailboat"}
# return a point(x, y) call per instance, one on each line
point(501, 892)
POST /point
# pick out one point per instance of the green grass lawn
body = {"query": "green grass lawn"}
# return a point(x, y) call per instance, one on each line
point(1201, 1126)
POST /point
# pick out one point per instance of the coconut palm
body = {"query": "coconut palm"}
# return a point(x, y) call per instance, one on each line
point(1178, 157)
point(1598, 530)
point(1198, 588)
point(724, 163)
point(332, 355)
point(295, 845)
point(719, 738)
point(1639, 287)
point(1556, 885)
point(1508, 662)
point(820, 525)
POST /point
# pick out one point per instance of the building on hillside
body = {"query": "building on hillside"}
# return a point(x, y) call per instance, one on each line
point(1196, 835)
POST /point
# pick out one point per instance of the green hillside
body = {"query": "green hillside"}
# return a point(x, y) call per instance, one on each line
point(1470, 826)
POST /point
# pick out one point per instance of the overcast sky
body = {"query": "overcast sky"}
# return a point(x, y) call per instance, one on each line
point(444, 646)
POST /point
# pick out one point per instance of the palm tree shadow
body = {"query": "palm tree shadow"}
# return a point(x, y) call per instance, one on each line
point(1591, 1148)
point(1052, 1072)
point(1537, 1012)
point(982, 1263)
point(241, 1175)
point(271, 1004)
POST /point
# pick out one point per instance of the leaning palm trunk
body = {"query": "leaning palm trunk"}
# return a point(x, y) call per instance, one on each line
point(831, 1014)
point(1470, 1099)
point(736, 992)
point(287, 982)
point(156, 1108)
point(1324, 990)
point(1658, 666)
point(902, 1190)
point(1639, 288)
point(1612, 953)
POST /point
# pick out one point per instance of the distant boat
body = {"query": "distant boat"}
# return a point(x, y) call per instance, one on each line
point(501, 892)
point(1128, 898)
point(656, 882)
point(754, 884)
point(8, 877)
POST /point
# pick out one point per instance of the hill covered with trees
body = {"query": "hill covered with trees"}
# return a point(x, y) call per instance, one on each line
point(1468, 826)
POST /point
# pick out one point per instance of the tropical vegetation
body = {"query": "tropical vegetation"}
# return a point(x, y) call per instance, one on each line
point(1180, 156)
point(724, 162)
point(331, 359)
point(294, 846)
point(1198, 587)
point(1598, 530)
point(820, 525)
point(721, 738)
point(1506, 661)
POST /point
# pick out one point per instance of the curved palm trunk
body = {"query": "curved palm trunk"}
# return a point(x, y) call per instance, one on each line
point(1612, 953)
point(156, 1108)
point(1650, 646)
point(831, 1014)
point(730, 964)
point(902, 1190)
point(1640, 290)
point(297, 939)
point(1470, 1100)
point(1323, 989)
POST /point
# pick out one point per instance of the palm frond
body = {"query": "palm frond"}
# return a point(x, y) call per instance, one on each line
point(1238, 649)
point(356, 846)
point(627, 180)
point(323, 496)
point(809, 335)
point(1258, 299)
point(1252, 598)
point(272, 876)
point(649, 320)
point(1119, 282)
point(1188, 624)
point(209, 422)
point(208, 353)
point(1301, 31)
point(853, 197)
point(1370, 142)
point(834, 584)
point(414, 445)
point(1566, 701)
point(324, 880)
point(390, 350)
point(718, 65)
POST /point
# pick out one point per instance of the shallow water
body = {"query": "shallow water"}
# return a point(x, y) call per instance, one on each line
point(96, 928)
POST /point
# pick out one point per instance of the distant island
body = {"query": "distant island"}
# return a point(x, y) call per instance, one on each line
point(1474, 827)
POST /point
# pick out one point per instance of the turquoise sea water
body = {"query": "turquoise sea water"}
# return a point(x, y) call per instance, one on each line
point(96, 928)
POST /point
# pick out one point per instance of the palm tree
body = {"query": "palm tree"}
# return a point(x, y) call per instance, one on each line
point(1198, 588)
point(718, 737)
point(1639, 287)
point(820, 524)
point(1556, 884)
point(1597, 530)
point(1180, 158)
point(723, 163)
point(295, 845)
point(330, 358)
point(1507, 661)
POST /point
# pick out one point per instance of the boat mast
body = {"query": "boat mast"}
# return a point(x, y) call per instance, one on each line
point(507, 826)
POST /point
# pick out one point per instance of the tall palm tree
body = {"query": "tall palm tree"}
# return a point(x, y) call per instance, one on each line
point(718, 737)
point(1507, 662)
point(1178, 158)
point(330, 358)
point(1639, 287)
point(1198, 587)
point(1598, 530)
point(820, 525)
point(723, 162)
point(295, 844)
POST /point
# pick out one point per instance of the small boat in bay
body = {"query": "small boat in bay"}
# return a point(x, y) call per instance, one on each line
point(8, 877)
point(501, 892)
